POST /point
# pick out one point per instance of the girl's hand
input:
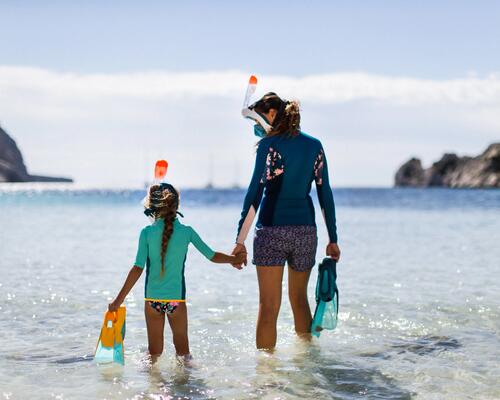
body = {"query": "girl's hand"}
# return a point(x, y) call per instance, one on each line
point(114, 306)
point(240, 249)
point(240, 258)
point(333, 251)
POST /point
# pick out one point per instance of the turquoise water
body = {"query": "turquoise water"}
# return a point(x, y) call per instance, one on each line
point(419, 304)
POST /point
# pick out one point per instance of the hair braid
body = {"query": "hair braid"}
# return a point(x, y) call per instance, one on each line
point(168, 229)
point(166, 203)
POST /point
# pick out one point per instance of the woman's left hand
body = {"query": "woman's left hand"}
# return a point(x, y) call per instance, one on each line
point(333, 251)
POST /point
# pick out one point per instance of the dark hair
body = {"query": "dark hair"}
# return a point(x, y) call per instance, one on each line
point(287, 120)
point(165, 201)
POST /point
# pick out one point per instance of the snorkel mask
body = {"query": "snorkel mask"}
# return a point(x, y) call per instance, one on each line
point(262, 127)
point(156, 199)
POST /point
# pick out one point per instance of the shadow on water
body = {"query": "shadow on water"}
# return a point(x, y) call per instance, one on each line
point(50, 358)
point(349, 381)
point(420, 346)
point(310, 374)
point(172, 382)
point(180, 384)
point(76, 359)
point(345, 381)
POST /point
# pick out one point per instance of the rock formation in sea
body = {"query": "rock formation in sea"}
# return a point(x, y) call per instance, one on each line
point(12, 167)
point(452, 171)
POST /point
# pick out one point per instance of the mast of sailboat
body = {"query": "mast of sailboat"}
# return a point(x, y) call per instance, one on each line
point(210, 183)
point(236, 169)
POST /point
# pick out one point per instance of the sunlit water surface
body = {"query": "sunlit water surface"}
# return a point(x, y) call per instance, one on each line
point(419, 301)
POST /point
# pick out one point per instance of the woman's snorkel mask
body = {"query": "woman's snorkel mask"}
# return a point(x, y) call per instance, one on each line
point(262, 127)
point(269, 101)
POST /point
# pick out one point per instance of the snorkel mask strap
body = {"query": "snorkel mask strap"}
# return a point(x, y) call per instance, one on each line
point(149, 212)
point(281, 113)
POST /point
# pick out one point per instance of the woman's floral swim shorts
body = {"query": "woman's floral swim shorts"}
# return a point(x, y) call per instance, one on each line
point(292, 244)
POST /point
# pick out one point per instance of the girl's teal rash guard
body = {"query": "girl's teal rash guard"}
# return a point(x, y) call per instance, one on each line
point(285, 168)
point(172, 285)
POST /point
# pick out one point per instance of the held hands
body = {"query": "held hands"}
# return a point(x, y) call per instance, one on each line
point(240, 258)
point(240, 251)
point(333, 251)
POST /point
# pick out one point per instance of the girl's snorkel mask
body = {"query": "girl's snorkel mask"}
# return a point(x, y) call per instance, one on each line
point(262, 127)
point(156, 199)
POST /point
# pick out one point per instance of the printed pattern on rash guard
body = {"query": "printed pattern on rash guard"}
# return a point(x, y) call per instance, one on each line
point(281, 183)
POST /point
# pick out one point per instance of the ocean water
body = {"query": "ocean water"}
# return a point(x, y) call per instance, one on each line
point(419, 301)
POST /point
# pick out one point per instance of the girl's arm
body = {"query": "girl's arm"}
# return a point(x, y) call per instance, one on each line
point(235, 260)
point(133, 276)
point(216, 257)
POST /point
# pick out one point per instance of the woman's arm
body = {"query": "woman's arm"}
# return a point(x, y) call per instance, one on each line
point(252, 202)
point(254, 193)
point(327, 204)
point(133, 276)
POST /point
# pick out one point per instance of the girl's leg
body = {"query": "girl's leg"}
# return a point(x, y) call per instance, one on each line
point(297, 293)
point(155, 322)
point(270, 279)
point(179, 324)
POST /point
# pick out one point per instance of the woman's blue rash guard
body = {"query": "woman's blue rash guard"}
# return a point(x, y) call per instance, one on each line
point(284, 170)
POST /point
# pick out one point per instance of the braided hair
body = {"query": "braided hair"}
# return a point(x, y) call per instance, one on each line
point(287, 120)
point(162, 203)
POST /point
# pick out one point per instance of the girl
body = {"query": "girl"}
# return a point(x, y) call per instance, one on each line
point(162, 249)
point(287, 163)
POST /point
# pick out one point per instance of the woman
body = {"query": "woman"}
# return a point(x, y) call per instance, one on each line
point(287, 163)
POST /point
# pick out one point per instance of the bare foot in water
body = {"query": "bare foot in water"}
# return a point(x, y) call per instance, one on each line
point(185, 360)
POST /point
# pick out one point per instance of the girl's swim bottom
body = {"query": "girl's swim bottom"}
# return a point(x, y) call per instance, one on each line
point(167, 307)
point(294, 244)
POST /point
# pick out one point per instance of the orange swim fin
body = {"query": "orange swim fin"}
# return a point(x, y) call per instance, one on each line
point(110, 344)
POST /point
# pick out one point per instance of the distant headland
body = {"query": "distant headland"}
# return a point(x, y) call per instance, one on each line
point(452, 171)
point(12, 167)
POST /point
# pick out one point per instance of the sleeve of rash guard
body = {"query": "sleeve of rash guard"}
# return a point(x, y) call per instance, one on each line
point(254, 194)
point(201, 246)
point(325, 195)
point(142, 250)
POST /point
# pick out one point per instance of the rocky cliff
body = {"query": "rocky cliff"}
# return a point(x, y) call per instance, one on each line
point(12, 167)
point(452, 171)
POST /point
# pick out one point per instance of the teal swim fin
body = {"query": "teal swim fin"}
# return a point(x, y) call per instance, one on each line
point(327, 298)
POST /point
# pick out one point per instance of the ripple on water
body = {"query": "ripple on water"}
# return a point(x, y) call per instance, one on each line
point(420, 346)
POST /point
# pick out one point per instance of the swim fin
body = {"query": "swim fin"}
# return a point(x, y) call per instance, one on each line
point(327, 298)
point(110, 344)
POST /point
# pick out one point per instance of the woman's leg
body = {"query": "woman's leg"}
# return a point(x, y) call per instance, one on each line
point(155, 323)
point(297, 293)
point(270, 279)
point(179, 324)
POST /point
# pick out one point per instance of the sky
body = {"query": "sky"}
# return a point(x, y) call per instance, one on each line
point(98, 90)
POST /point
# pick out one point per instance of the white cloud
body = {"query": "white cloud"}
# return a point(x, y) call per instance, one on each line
point(323, 89)
point(92, 119)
